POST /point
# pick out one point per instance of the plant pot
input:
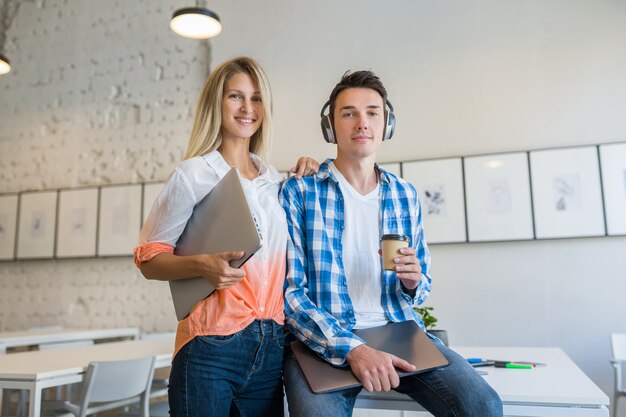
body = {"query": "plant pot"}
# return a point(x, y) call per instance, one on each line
point(441, 334)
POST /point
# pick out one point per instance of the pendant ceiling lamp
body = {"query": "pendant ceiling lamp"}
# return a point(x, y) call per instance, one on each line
point(5, 65)
point(196, 22)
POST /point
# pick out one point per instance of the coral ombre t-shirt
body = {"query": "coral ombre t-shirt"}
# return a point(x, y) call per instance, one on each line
point(260, 294)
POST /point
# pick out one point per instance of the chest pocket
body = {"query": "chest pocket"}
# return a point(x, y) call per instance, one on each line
point(398, 222)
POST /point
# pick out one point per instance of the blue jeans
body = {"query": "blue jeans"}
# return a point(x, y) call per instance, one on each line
point(455, 391)
point(235, 375)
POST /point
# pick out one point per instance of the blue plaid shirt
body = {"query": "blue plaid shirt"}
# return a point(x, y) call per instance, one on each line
point(318, 310)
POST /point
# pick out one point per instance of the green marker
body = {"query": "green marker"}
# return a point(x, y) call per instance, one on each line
point(512, 365)
point(517, 366)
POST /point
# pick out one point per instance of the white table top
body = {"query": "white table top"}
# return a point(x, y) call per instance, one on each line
point(561, 381)
point(44, 364)
point(39, 337)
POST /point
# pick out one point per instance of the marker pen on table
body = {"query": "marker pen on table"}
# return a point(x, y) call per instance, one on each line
point(512, 365)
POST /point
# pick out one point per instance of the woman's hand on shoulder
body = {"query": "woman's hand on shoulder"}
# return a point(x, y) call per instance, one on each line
point(305, 166)
point(216, 269)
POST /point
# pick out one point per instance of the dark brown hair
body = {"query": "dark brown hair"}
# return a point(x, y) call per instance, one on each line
point(357, 79)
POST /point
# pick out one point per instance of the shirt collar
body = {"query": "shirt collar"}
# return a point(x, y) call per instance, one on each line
point(219, 164)
point(325, 172)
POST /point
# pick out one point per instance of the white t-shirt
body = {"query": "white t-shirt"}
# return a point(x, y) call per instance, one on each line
point(192, 180)
point(361, 261)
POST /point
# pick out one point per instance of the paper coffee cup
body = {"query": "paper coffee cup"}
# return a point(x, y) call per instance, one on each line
point(391, 245)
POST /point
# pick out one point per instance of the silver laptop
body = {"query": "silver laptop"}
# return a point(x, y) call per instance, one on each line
point(221, 221)
point(405, 340)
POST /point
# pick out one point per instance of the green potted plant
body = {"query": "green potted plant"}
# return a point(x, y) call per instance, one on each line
point(430, 323)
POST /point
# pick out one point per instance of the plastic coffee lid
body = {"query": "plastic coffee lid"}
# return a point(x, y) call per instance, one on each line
point(395, 237)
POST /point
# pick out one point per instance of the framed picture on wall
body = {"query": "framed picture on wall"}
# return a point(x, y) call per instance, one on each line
point(120, 219)
point(613, 163)
point(77, 222)
point(393, 167)
point(150, 193)
point(8, 226)
point(567, 199)
point(439, 184)
point(37, 225)
point(498, 197)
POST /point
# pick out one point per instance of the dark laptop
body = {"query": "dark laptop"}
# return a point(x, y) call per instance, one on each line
point(405, 340)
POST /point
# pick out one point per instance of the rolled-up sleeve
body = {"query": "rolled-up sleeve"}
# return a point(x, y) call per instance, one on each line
point(167, 219)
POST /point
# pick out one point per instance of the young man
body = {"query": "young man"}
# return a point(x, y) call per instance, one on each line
point(335, 282)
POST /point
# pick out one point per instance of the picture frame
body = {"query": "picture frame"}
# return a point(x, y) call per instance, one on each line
point(613, 168)
point(8, 226)
point(393, 167)
point(567, 196)
point(119, 220)
point(439, 184)
point(77, 223)
point(37, 225)
point(150, 193)
point(498, 199)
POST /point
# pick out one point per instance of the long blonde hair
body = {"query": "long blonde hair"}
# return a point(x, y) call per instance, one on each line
point(206, 134)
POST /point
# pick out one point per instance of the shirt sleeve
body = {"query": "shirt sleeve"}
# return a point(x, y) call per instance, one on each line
point(147, 251)
point(423, 255)
point(167, 219)
point(315, 327)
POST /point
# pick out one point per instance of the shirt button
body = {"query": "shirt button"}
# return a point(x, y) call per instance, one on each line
point(262, 309)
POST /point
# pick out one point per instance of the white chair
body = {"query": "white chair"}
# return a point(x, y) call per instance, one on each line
point(109, 385)
point(65, 345)
point(159, 385)
point(618, 346)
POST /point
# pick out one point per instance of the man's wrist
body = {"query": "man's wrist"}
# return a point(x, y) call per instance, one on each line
point(352, 352)
point(408, 291)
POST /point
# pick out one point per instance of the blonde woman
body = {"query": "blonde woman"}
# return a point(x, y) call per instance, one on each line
point(229, 350)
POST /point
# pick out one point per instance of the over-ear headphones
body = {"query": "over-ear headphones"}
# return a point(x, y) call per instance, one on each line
point(329, 132)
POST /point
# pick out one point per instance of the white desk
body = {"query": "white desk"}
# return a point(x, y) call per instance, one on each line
point(41, 369)
point(559, 389)
point(41, 337)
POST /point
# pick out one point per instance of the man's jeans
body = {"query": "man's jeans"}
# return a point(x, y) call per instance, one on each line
point(235, 375)
point(454, 391)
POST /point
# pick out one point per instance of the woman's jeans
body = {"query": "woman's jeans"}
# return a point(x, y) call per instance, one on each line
point(235, 375)
point(454, 391)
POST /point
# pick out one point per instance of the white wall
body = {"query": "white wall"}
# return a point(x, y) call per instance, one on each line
point(465, 77)
point(89, 103)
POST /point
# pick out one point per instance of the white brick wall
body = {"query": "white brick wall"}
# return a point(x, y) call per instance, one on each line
point(87, 293)
point(101, 92)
